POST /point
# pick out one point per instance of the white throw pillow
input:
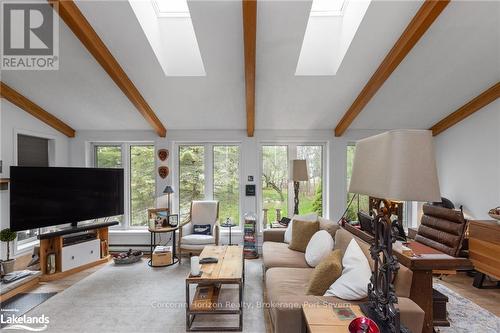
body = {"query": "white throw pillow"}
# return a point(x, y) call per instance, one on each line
point(352, 285)
point(320, 245)
point(311, 217)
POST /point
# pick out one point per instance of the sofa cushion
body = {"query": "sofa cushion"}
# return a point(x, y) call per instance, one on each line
point(330, 226)
point(325, 273)
point(197, 239)
point(356, 273)
point(320, 245)
point(302, 234)
point(404, 276)
point(279, 255)
point(285, 293)
point(312, 217)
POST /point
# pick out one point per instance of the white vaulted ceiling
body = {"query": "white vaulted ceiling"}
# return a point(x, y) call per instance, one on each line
point(456, 59)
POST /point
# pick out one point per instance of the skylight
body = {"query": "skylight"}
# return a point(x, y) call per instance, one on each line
point(327, 7)
point(171, 8)
point(330, 30)
point(169, 29)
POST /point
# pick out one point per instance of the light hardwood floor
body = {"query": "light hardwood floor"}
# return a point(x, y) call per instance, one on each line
point(461, 283)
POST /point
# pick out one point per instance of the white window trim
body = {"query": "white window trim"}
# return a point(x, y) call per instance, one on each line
point(292, 154)
point(208, 171)
point(125, 149)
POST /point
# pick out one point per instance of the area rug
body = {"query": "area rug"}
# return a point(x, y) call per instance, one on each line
point(20, 304)
point(138, 298)
point(466, 316)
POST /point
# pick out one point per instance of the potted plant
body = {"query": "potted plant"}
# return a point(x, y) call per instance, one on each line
point(7, 235)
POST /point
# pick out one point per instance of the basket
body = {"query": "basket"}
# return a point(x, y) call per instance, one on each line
point(128, 260)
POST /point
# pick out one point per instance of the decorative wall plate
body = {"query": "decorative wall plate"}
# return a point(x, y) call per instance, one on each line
point(163, 171)
point(163, 154)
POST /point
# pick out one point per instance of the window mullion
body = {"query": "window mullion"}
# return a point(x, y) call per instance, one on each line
point(209, 172)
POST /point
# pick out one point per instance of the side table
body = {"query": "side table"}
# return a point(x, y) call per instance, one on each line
point(321, 318)
point(159, 230)
point(230, 226)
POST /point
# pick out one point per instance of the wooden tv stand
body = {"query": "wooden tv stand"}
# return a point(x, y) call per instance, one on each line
point(75, 257)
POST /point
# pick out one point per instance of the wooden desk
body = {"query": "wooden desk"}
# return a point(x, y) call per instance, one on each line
point(322, 319)
point(484, 249)
point(422, 263)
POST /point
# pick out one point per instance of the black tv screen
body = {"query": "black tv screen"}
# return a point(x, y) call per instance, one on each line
point(47, 196)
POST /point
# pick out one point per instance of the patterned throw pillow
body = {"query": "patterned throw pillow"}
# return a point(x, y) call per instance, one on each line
point(202, 229)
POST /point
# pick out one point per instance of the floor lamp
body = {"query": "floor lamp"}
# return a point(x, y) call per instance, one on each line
point(394, 166)
point(299, 174)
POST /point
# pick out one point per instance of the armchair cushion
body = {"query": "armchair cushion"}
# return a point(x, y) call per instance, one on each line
point(202, 229)
point(197, 239)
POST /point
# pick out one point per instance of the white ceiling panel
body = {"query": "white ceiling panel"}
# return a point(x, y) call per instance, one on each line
point(456, 60)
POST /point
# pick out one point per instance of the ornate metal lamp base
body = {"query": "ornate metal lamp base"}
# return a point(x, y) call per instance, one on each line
point(382, 325)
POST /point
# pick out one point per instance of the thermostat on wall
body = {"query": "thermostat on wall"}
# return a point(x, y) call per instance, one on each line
point(250, 190)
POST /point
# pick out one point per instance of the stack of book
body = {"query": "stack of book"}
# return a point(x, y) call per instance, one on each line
point(250, 239)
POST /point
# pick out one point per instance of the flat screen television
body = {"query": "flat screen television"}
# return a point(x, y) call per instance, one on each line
point(47, 196)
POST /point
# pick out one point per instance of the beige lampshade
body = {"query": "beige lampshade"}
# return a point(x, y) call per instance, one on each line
point(299, 171)
point(397, 165)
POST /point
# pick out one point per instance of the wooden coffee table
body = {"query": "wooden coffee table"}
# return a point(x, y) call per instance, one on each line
point(230, 269)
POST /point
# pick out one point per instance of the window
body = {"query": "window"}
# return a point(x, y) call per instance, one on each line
point(108, 156)
point(276, 192)
point(359, 202)
point(142, 183)
point(191, 177)
point(138, 162)
point(211, 172)
point(275, 180)
point(311, 192)
point(31, 151)
point(226, 181)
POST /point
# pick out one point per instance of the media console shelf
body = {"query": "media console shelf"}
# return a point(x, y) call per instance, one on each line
point(76, 256)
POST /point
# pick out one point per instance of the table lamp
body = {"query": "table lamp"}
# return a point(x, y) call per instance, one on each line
point(397, 165)
point(168, 190)
point(299, 174)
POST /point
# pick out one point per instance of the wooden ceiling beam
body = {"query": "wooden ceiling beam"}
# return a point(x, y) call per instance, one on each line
point(74, 19)
point(36, 111)
point(420, 23)
point(486, 97)
point(249, 36)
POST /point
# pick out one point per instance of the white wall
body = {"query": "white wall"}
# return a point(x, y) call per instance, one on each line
point(15, 121)
point(335, 155)
point(468, 160)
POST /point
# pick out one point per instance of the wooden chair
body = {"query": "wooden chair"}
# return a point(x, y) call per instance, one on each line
point(201, 213)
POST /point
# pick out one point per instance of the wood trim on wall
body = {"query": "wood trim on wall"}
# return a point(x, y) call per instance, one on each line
point(486, 97)
point(36, 111)
point(420, 23)
point(249, 36)
point(69, 12)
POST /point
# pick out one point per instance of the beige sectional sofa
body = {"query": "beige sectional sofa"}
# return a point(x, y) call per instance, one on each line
point(287, 274)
